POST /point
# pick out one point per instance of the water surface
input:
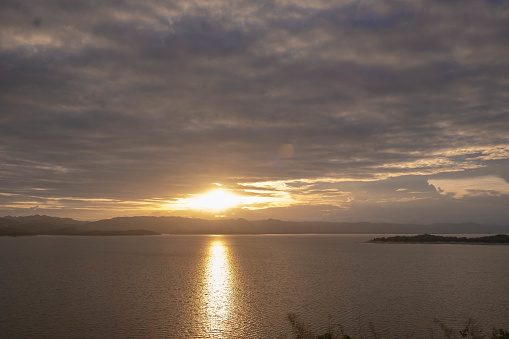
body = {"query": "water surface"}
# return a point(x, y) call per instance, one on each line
point(178, 286)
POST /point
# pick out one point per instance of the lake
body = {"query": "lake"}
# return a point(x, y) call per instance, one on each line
point(244, 286)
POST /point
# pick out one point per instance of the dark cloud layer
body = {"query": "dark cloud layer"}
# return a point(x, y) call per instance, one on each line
point(123, 107)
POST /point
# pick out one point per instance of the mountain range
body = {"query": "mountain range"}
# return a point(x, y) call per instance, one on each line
point(42, 224)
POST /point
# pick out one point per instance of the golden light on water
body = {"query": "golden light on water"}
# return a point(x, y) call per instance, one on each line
point(218, 295)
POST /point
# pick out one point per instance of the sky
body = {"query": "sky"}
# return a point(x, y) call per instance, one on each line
point(381, 111)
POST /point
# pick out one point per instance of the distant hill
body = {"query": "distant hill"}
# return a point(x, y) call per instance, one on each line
point(5, 222)
point(37, 224)
point(180, 225)
point(73, 231)
point(45, 225)
point(44, 219)
point(175, 225)
point(14, 232)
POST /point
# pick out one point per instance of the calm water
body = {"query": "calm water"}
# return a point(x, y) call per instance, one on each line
point(244, 286)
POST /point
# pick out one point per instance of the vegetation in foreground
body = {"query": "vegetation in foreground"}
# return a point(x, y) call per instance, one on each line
point(472, 330)
point(429, 238)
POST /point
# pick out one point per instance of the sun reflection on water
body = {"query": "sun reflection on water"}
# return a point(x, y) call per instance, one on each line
point(218, 296)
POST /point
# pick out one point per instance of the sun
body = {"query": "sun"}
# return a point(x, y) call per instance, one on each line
point(215, 200)
point(221, 199)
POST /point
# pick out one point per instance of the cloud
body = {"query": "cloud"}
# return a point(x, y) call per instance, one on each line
point(134, 101)
point(468, 187)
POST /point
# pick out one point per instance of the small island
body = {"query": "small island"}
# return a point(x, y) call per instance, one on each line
point(433, 239)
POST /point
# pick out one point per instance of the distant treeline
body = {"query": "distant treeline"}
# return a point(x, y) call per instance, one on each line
point(6, 231)
point(13, 232)
point(429, 238)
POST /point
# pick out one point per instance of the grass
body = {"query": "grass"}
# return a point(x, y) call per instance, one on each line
point(472, 330)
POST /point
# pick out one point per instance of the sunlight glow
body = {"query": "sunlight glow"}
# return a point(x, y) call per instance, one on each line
point(215, 200)
point(222, 199)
